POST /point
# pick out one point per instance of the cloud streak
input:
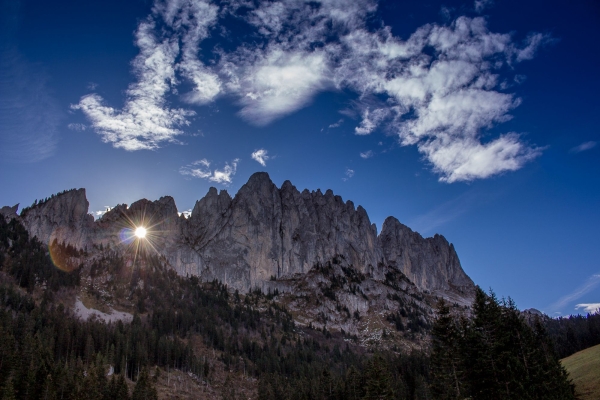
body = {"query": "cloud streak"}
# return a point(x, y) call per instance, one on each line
point(201, 169)
point(591, 283)
point(583, 147)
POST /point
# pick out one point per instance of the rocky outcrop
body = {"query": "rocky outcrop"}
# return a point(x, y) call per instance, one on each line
point(9, 212)
point(63, 218)
point(432, 263)
point(263, 233)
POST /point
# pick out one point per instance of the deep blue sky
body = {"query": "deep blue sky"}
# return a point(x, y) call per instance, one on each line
point(477, 120)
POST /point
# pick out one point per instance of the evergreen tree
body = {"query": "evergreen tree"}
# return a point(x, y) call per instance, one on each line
point(144, 389)
point(378, 380)
point(496, 356)
point(8, 392)
point(118, 388)
point(447, 370)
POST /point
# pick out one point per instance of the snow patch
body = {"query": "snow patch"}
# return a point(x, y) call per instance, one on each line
point(85, 313)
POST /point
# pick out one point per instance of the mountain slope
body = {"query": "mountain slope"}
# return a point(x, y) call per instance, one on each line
point(296, 245)
point(584, 369)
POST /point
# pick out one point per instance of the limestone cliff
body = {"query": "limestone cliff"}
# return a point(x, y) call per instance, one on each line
point(63, 217)
point(262, 234)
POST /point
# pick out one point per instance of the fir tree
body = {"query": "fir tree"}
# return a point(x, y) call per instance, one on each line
point(378, 380)
point(447, 370)
point(144, 389)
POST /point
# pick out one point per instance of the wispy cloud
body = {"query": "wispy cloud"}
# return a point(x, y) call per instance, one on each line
point(261, 157)
point(201, 169)
point(349, 174)
point(444, 213)
point(481, 5)
point(77, 127)
point(366, 154)
point(337, 124)
point(583, 147)
point(589, 285)
point(29, 114)
point(589, 308)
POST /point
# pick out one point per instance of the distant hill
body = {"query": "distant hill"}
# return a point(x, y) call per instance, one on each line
point(584, 370)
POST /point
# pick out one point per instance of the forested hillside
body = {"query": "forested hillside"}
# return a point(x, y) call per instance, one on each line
point(216, 336)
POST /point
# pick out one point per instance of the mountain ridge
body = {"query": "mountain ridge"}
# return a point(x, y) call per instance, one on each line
point(262, 232)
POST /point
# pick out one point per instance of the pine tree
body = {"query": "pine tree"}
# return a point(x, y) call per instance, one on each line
point(447, 371)
point(8, 393)
point(498, 357)
point(118, 388)
point(144, 389)
point(378, 380)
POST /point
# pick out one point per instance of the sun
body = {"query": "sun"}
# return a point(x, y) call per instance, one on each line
point(140, 232)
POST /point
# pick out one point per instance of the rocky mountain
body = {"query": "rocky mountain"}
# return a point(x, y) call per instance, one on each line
point(301, 245)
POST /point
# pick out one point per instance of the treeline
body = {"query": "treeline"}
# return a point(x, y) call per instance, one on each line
point(40, 202)
point(45, 353)
point(494, 354)
point(374, 377)
point(46, 350)
point(28, 261)
point(574, 333)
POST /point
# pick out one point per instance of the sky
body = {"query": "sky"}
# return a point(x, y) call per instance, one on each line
point(478, 120)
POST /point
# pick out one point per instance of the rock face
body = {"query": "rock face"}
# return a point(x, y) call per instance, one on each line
point(430, 263)
point(63, 218)
point(263, 233)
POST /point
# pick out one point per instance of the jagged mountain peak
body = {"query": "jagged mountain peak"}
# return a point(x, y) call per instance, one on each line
point(263, 232)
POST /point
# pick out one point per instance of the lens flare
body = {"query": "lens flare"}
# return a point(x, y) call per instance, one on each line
point(140, 232)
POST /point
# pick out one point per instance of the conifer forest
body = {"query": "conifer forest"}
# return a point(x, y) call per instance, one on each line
point(46, 352)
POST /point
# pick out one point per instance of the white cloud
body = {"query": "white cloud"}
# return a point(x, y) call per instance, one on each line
point(442, 102)
point(349, 174)
point(277, 83)
point(261, 157)
point(533, 42)
point(146, 121)
point(186, 214)
point(440, 89)
point(589, 284)
point(192, 21)
point(469, 159)
point(203, 161)
point(100, 213)
point(201, 169)
point(583, 147)
point(370, 120)
point(366, 154)
point(337, 124)
point(590, 308)
point(77, 127)
point(481, 5)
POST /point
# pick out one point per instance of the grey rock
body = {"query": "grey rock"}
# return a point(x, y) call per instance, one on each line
point(263, 233)
point(432, 263)
point(9, 212)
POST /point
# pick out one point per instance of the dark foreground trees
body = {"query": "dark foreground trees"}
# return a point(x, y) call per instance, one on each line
point(494, 355)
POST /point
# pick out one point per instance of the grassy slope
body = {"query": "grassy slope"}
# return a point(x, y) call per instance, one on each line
point(584, 369)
